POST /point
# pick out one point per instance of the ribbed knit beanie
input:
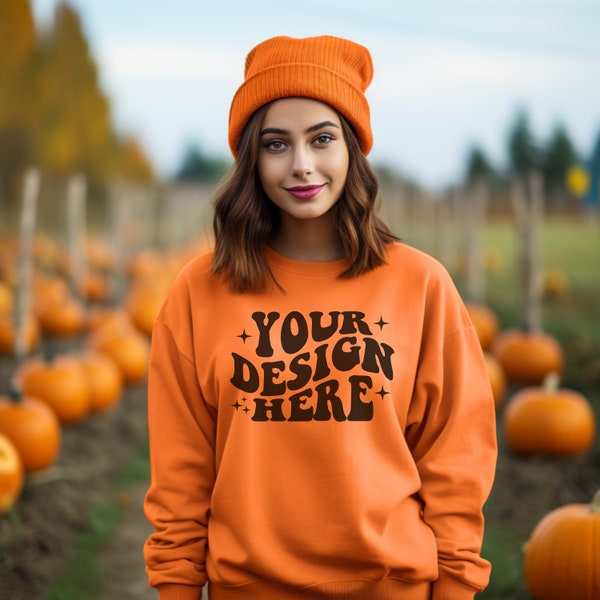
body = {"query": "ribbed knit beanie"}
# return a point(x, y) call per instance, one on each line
point(326, 68)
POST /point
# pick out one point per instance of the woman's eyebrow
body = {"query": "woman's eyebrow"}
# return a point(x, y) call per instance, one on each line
point(275, 130)
point(320, 126)
point(278, 131)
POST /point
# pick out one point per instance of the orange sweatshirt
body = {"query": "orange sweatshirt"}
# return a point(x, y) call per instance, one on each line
point(332, 440)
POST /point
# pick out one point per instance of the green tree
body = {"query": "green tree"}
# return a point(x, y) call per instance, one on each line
point(478, 165)
point(559, 155)
point(199, 166)
point(523, 152)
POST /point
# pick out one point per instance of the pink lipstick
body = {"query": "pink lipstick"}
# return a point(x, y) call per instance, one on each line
point(305, 192)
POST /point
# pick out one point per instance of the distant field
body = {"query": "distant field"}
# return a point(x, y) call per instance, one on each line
point(570, 248)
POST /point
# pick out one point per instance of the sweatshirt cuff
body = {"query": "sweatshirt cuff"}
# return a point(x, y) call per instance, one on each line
point(177, 591)
point(447, 588)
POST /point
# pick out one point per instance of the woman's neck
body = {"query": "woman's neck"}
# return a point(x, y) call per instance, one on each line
point(310, 240)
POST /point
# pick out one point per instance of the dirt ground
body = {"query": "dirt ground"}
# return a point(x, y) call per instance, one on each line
point(122, 558)
point(36, 539)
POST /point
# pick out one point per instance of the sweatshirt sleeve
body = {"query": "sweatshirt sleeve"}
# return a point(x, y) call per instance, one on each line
point(452, 434)
point(182, 435)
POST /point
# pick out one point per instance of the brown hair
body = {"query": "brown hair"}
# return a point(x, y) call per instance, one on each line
point(245, 219)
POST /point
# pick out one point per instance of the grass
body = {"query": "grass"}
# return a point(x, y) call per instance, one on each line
point(83, 576)
point(501, 547)
point(570, 247)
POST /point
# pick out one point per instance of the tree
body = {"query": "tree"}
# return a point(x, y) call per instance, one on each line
point(198, 166)
point(134, 165)
point(559, 155)
point(17, 39)
point(523, 152)
point(478, 165)
point(75, 123)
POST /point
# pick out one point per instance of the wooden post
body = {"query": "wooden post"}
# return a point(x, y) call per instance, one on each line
point(119, 214)
point(528, 204)
point(30, 194)
point(443, 230)
point(475, 223)
point(76, 228)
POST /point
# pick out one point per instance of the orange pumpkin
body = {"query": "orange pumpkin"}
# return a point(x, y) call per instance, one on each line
point(497, 378)
point(61, 383)
point(48, 289)
point(12, 474)
point(104, 378)
point(7, 333)
point(94, 286)
point(129, 348)
point(527, 357)
point(561, 556)
point(144, 302)
point(107, 320)
point(549, 421)
point(62, 319)
point(485, 322)
point(7, 300)
point(146, 264)
point(99, 254)
point(34, 429)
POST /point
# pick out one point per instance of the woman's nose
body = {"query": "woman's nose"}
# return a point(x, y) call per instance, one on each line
point(302, 165)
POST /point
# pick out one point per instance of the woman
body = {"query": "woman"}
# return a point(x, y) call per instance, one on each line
point(321, 421)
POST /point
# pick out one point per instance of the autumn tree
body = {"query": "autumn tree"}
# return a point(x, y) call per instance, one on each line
point(17, 44)
point(133, 162)
point(75, 126)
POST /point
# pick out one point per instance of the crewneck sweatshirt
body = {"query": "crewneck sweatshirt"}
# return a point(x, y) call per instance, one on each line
point(328, 438)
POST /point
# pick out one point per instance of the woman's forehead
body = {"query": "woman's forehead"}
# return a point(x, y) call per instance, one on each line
point(300, 110)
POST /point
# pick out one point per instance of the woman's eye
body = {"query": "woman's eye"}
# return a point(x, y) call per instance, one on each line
point(275, 145)
point(324, 138)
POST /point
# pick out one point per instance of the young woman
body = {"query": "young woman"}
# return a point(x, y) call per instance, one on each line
point(321, 421)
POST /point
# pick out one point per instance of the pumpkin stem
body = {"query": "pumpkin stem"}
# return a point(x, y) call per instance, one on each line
point(551, 382)
point(595, 505)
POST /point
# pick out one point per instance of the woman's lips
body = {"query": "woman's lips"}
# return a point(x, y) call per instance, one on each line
point(304, 192)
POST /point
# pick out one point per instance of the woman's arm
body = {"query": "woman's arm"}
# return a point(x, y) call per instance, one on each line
point(182, 437)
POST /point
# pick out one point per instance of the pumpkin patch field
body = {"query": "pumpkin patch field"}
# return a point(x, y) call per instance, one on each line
point(559, 464)
point(88, 360)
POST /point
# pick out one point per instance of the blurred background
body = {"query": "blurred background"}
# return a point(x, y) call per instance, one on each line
point(113, 134)
point(450, 79)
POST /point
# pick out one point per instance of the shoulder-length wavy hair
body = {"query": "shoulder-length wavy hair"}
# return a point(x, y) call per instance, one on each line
point(245, 219)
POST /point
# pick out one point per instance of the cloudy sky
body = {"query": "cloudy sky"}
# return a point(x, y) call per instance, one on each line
point(448, 73)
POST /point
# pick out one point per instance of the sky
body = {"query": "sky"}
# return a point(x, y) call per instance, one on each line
point(449, 74)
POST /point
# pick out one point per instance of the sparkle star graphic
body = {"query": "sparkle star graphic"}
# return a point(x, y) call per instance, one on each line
point(382, 393)
point(381, 323)
point(236, 405)
point(244, 336)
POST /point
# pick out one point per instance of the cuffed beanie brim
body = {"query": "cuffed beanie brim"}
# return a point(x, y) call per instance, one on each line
point(333, 70)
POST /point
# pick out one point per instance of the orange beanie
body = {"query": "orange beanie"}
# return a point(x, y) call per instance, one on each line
point(330, 69)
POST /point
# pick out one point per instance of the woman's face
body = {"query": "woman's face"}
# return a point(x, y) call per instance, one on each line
point(303, 157)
